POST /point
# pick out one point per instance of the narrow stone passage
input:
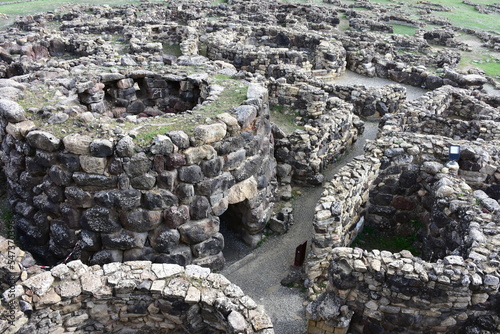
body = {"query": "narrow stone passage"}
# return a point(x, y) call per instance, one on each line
point(259, 273)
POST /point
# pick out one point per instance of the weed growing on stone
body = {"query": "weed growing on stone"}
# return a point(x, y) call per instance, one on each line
point(234, 94)
point(370, 238)
point(285, 118)
point(401, 29)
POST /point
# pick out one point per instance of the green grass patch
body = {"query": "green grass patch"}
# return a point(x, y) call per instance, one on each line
point(370, 238)
point(401, 29)
point(285, 118)
point(486, 62)
point(466, 16)
point(41, 6)
point(172, 49)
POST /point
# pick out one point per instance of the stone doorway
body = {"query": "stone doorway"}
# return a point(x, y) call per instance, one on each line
point(232, 228)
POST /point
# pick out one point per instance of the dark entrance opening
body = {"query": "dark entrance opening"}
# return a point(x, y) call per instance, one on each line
point(231, 227)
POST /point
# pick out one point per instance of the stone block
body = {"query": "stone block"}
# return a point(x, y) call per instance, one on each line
point(43, 140)
point(190, 174)
point(162, 145)
point(141, 220)
point(101, 148)
point(123, 239)
point(159, 199)
point(99, 219)
point(246, 114)
point(164, 239)
point(196, 231)
point(95, 180)
point(19, 130)
point(93, 165)
point(214, 262)
point(176, 215)
point(194, 155)
point(209, 133)
point(241, 191)
point(214, 185)
point(213, 167)
point(209, 247)
point(11, 111)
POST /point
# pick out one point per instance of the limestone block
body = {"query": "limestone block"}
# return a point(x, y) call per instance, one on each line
point(261, 322)
point(177, 287)
point(91, 283)
point(195, 155)
point(231, 123)
point(39, 284)
point(163, 270)
point(237, 322)
point(209, 133)
point(19, 130)
point(197, 272)
point(69, 289)
point(241, 191)
point(93, 165)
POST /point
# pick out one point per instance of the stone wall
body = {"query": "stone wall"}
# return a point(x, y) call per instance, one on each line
point(371, 101)
point(370, 55)
point(254, 50)
point(454, 284)
point(450, 112)
point(132, 297)
point(328, 127)
point(339, 216)
point(160, 201)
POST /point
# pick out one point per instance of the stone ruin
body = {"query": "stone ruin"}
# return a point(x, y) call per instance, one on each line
point(96, 172)
point(404, 179)
point(137, 296)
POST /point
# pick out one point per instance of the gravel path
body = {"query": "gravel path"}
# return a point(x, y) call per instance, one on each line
point(259, 273)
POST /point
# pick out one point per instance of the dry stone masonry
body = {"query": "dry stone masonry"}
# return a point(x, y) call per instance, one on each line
point(404, 178)
point(137, 296)
point(131, 133)
point(123, 202)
